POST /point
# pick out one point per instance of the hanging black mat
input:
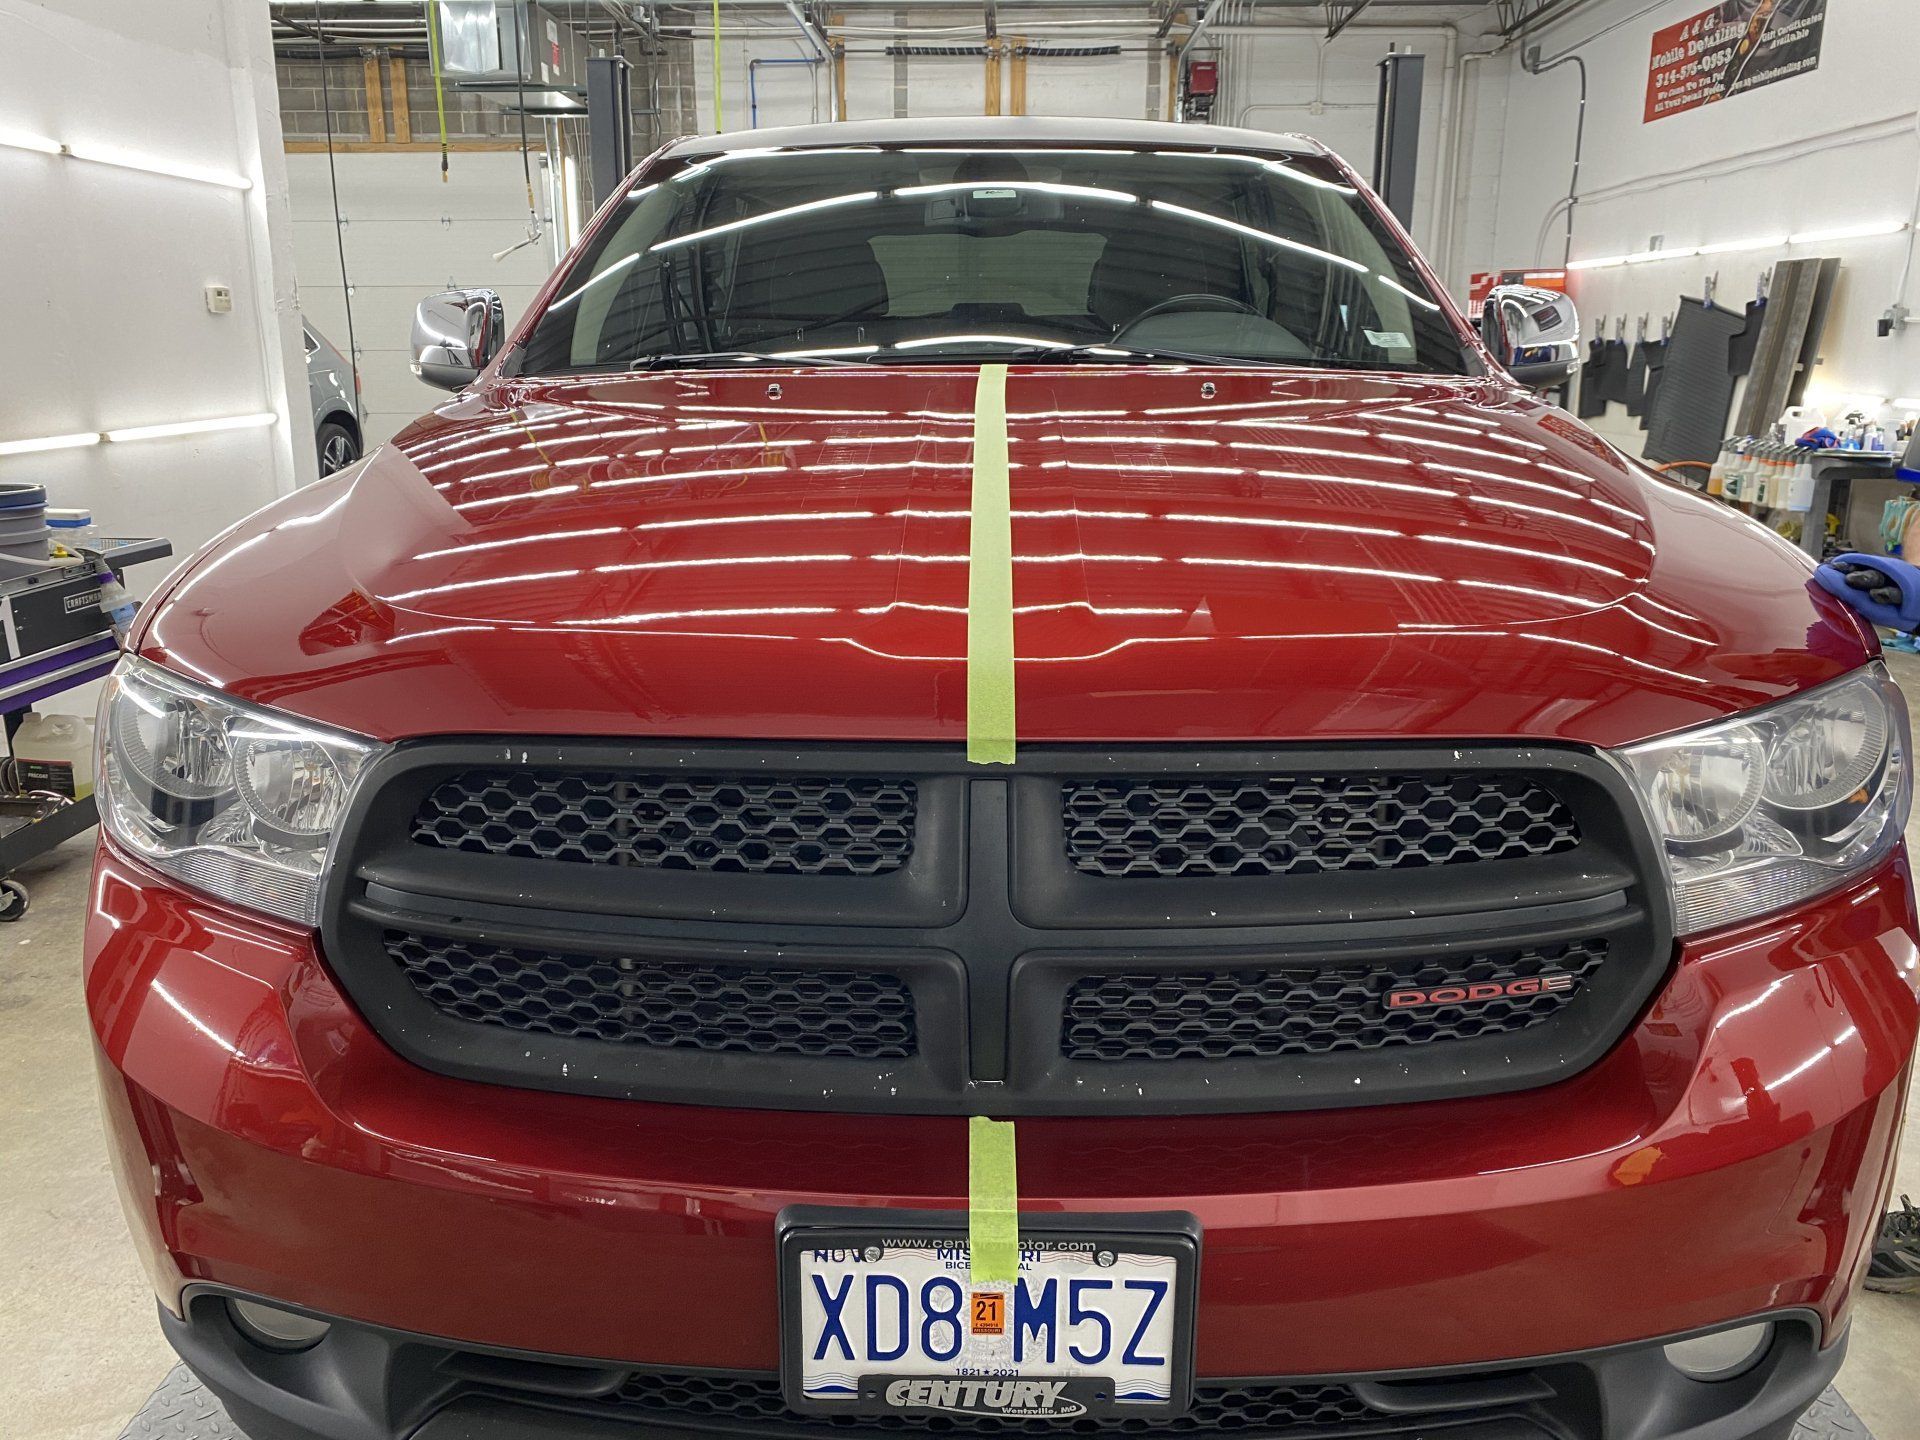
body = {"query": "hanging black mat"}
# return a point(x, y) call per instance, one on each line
point(1654, 354)
point(1637, 376)
point(1618, 388)
point(1593, 381)
point(1740, 352)
point(1689, 419)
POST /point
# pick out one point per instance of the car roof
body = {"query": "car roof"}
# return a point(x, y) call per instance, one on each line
point(999, 130)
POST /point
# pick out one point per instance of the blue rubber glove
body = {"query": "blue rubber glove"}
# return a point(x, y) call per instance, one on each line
point(1884, 590)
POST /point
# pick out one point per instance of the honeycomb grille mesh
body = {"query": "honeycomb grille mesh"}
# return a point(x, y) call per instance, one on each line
point(753, 1405)
point(1307, 824)
point(1229, 1015)
point(754, 824)
point(663, 1004)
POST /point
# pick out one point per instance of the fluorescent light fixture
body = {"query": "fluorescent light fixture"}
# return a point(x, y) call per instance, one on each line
point(616, 268)
point(1267, 235)
point(1312, 181)
point(1411, 295)
point(121, 160)
point(192, 427)
point(49, 442)
point(823, 352)
point(762, 152)
point(39, 144)
point(1755, 242)
point(926, 341)
point(1043, 187)
point(1734, 247)
point(1007, 150)
point(1849, 232)
point(694, 236)
point(1265, 162)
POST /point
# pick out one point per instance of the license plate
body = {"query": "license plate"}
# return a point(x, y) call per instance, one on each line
point(881, 1316)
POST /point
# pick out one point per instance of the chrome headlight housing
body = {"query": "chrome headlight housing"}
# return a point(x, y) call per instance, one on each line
point(1763, 811)
point(230, 798)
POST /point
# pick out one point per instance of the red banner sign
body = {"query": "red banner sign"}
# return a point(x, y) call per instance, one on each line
point(1730, 49)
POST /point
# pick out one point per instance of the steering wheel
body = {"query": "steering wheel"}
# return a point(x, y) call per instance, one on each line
point(1188, 302)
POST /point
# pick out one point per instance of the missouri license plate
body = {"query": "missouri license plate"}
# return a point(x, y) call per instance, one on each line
point(882, 1316)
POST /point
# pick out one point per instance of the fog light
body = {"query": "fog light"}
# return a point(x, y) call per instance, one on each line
point(1723, 1354)
point(275, 1328)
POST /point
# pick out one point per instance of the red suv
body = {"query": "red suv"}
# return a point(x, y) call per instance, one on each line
point(994, 778)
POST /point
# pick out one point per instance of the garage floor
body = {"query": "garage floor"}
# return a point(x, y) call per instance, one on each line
point(76, 1323)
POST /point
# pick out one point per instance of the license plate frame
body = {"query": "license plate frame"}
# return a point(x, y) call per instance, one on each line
point(1175, 1234)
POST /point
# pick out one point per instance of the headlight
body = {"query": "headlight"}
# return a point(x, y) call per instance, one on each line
point(234, 800)
point(1764, 811)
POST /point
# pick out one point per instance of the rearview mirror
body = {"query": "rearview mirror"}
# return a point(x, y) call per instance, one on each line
point(1534, 333)
point(455, 334)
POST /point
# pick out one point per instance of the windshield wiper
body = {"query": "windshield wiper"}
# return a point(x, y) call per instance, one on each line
point(700, 359)
point(1111, 354)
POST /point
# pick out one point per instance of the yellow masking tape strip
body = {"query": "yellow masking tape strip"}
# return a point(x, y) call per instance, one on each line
point(993, 1202)
point(990, 579)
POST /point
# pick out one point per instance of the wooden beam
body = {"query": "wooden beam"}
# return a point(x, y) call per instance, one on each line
point(992, 98)
point(369, 147)
point(1017, 76)
point(402, 101)
point(376, 101)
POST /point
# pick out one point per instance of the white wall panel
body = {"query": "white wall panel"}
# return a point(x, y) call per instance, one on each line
point(1819, 151)
point(107, 324)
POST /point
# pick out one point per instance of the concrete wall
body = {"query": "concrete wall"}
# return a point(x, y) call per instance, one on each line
point(1834, 148)
point(106, 320)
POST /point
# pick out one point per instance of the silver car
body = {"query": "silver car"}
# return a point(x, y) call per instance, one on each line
point(333, 390)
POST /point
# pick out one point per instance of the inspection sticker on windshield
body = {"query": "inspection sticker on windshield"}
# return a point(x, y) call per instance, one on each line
point(1390, 339)
point(887, 1320)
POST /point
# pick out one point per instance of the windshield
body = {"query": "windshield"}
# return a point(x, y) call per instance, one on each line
point(923, 254)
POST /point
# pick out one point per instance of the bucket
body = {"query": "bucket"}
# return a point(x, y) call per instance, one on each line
point(23, 522)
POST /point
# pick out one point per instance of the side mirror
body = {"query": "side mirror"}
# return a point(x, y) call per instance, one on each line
point(1534, 333)
point(455, 334)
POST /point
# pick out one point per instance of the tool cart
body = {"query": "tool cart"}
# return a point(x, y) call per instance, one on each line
point(55, 634)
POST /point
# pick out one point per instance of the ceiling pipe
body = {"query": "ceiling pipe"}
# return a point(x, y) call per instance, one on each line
point(1133, 11)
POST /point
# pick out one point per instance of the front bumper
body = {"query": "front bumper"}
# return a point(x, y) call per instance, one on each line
point(365, 1383)
point(1727, 1158)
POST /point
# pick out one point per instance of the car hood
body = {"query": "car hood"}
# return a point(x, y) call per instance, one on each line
point(1227, 556)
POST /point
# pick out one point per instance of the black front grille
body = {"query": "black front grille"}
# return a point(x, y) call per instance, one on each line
point(755, 1403)
point(1240, 1014)
point(1137, 826)
point(1088, 932)
point(662, 1004)
point(742, 824)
